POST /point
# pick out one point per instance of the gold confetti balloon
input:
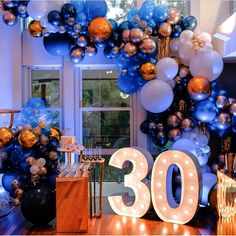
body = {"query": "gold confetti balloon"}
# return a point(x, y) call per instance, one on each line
point(6, 135)
point(99, 29)
point(27, 138)
point(55, 133)
point(148, 71)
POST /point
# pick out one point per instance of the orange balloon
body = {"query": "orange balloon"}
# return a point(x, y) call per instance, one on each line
point(35, 29)
point(199, 88)
point(174, 16)
point(165, 30)
point(99, 29)
point(148, 71)
point(6, 135)
point(56, 133)
point(129, 49)
point(27, 138)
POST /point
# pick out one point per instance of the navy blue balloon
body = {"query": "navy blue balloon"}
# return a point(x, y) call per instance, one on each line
point(151, 23)
point(78, 5)
point(82, 19)
point(205, 111)
point(54, 18)
point(108, 52)
point(189, 23)
point(144, 127)
point(147, 10)
point(7, 179)
point(176, 31)
point(161, 13)
point(127, 83)
point(114, 24)
point(58, 44)
point(68, 10)
point(124, 25)
point(223, 133)
point(141, 81)
point(95, 8)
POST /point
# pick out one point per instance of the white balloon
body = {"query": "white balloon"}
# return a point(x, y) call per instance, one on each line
point(206, 37)
point(174, 45)
point(186, 36)
point(205, 169)
point(202, 159)
point(156, 96)
point(171, 83)
point(208, 181)
point(185, 144)
point(167, 68)
point(206, 63)
point(37, 9)
point(185, 53)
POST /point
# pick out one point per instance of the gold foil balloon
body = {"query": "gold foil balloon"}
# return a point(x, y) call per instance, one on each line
point(148, 46)
point(56, 133)
point(35, 29)
point(6, 135)
point(130, 49)
point(125, 35)
point(165, 30)
point(27, 138)
point(99, 29)
point(199, 88)
point(136, 35)
point(174, 16)
point(148, 71)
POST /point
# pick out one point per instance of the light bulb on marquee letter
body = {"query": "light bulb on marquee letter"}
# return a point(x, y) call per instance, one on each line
point(142, 164)
point(162, 197)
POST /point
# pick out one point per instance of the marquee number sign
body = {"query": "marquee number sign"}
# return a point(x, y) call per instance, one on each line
point(161, 184)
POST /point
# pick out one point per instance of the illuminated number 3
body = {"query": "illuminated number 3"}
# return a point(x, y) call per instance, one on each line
point(161, 186)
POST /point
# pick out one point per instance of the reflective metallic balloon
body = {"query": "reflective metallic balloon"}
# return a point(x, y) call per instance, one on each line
point(99, 29)
point(165, 30)
point(70, 21)
point(148, 46)
point(9, 19)
point(143, 24)
point(148, 71)
point(175, 134)
point(232, 108)
point(22, 9)
point(173, 121)
point(147, 32)
point(34, 169)
point(136, 35)
point(174, 16)
point(6, 135)
point(82, 41)
point(55, 133)
point(199, 88)
point(27, 138)
point(221, 101)
point(187, 124)
point(77, 28)
point(91, 50)
point(9, 3)
point(30, 161)
point(223, 121)
point(76, 54)
point(125, 35)
point(62, 29)
point(42, 171)
point(129, 49)
point(35, 29)
point(180, 114)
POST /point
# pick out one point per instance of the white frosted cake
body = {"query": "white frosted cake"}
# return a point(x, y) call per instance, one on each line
point(67, 141)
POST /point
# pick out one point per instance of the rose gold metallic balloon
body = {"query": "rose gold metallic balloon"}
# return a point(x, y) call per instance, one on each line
point(148, 71)
point(232, 108)
point(130, 49)
point(165, 30)
point(199, 88)
point(125, 35)
point(148, 46)
point(175, 134)
point(6, 135)
point(174, 16)
point(42, 171)
point(173, 121)
point(187, 124)
point(56, 133)
point(136, 35)
point(27, 138)
point(9, 18)
point(35, 29)
point(30, 161)
point(99, 29)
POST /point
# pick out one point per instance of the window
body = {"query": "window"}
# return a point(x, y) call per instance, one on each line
point(45, 83)
point(234, 6)
point(105, 112)
point(179, 4)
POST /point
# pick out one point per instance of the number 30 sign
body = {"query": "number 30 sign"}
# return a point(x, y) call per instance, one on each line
point(161, 184)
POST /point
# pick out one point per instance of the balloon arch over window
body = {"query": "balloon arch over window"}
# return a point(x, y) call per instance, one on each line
point(158, 51)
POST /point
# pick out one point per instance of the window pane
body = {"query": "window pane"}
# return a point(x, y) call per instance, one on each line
point(46, 85)
point(179, 4)
point(100, 89)
point(107, 129)
point(55, 118)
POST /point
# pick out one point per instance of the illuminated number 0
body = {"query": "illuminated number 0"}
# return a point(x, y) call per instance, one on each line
point(162, 197)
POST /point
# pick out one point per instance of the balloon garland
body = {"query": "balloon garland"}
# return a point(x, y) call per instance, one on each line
point(158, 51)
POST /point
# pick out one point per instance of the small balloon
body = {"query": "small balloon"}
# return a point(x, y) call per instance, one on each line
point(173, 121)
point(77, 54)
point(189, 23)
point(148, 46)
point(35, 29)
point(136, 35)
point(160, 13)
point(27, 138)
point(223, 121)
point(221, 101)
point(129, 49)
point(175, 134)
point(144, 127)
point(165, 29)
point(233, 108)
point(68, 10)
point(148, 71)
point(187, 124)
point(9, 19)
point(54, 18)
point(174, 16)
point(6, 136)
point(82, 41)
point(94, 9)
point(125, 35)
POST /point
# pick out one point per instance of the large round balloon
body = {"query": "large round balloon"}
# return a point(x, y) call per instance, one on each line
point(68, 10)
point(206, 63)
point(99, 29)
point(189, 23)
point(6, 135)
point(185, 144)
point(127, 83)
point(148, 71)
point(156, 96)
point(167, 68)
point(93, 8)
point(54, 18)
point(7, 179)
point(35, 103)
point(160, 13)
point(77, 54)
point(57, 44)
point(39, 206)
point(37, 9)
point(27, 138)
